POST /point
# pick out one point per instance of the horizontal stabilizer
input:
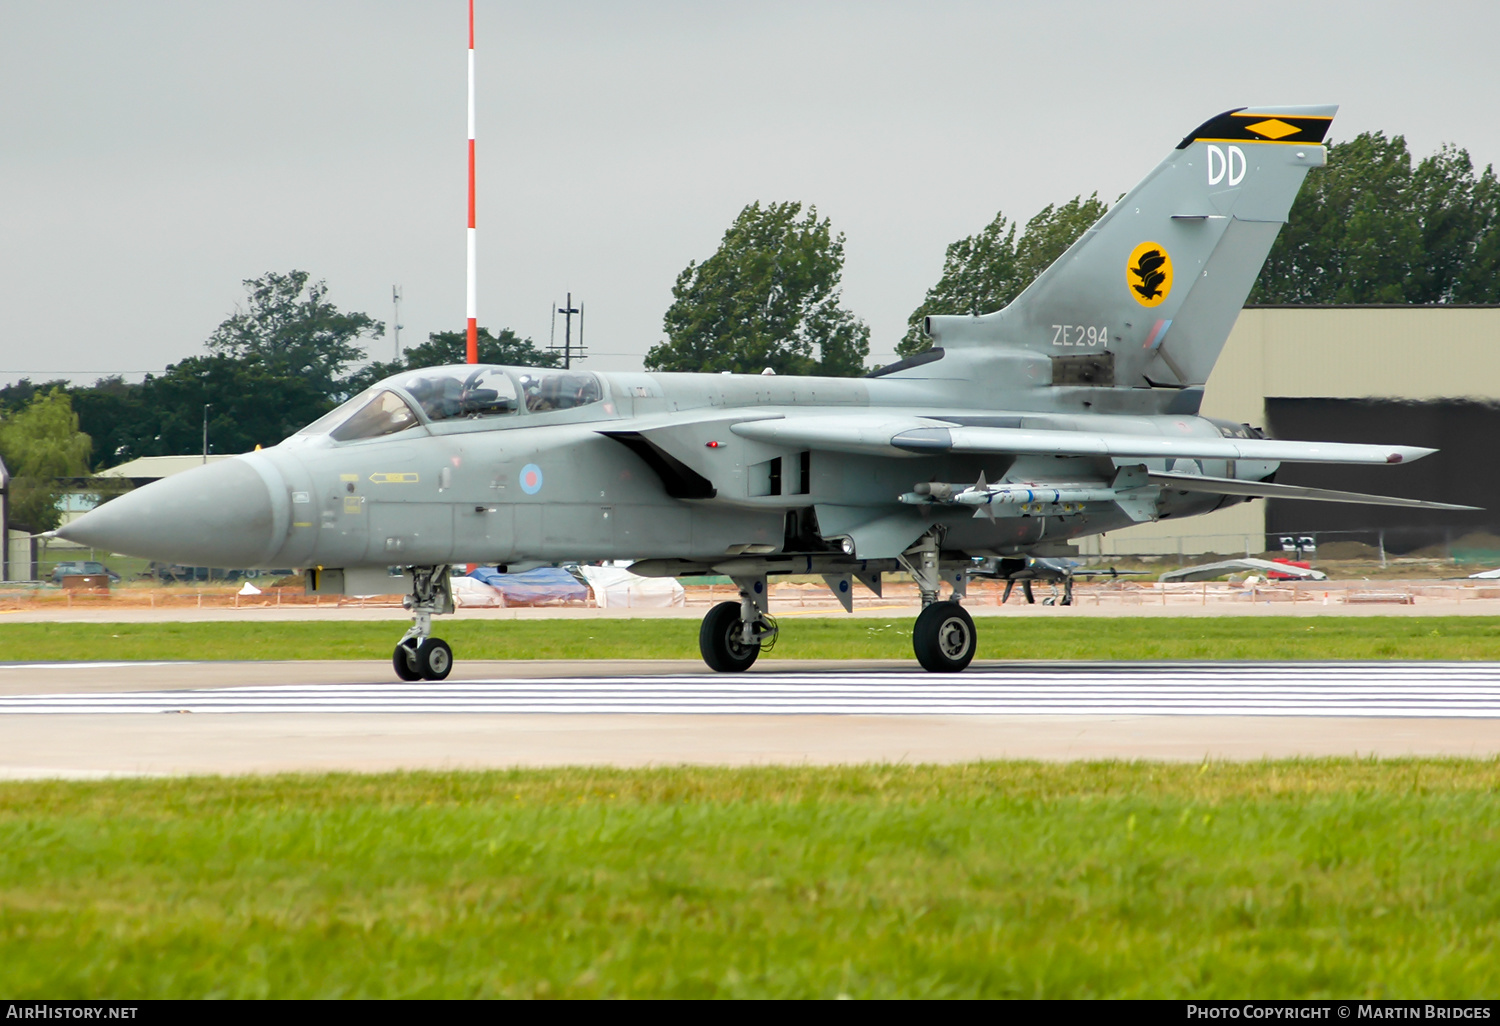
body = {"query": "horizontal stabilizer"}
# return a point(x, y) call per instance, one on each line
point(917, 436)
point(1269, 490)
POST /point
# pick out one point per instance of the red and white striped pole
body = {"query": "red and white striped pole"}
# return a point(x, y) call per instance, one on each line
point(472, 307)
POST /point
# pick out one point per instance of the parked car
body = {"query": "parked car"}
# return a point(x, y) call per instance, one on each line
point(83, 568)
point(176, 573)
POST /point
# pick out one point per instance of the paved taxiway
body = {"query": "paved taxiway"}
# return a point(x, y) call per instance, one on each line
point(100, 719)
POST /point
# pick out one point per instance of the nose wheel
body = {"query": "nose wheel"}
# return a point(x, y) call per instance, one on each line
point(430, 659)
point(405, 662)
point(418, 655)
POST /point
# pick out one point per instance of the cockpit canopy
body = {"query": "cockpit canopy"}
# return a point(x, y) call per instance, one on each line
point(444, 393)
point(558, 390)
point(460, 392)
point(385, 414)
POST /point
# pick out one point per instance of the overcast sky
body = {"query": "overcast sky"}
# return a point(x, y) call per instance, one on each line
point(153, 154)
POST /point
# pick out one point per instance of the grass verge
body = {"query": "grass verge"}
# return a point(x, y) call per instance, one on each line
point(1373, 637)
point(1330, 878)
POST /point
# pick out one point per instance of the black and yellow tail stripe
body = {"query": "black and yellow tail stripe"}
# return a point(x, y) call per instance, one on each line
point(1245, 125)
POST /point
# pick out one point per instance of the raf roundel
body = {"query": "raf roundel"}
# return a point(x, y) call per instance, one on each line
point(531, 479)
point(1148, 273)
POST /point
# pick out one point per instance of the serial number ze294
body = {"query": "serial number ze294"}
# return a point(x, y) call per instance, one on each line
point(1079, 335)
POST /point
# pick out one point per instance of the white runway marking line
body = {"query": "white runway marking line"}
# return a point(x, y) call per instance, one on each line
point(79, 666)
point(1456, 690)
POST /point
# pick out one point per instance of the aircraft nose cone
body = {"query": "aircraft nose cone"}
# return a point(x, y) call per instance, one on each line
point(218, 515)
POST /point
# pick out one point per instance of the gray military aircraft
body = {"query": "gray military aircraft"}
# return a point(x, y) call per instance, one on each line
point(1027, 570)
point(1072, 411)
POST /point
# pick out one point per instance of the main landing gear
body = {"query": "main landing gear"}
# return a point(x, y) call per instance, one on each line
point(734, 634)
point(943, 638)
point(418, 655)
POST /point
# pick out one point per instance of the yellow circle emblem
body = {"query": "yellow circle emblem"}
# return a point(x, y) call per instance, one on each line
point(1149, 274)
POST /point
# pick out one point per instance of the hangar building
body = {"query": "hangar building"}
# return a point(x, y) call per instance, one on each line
point(1418, 375)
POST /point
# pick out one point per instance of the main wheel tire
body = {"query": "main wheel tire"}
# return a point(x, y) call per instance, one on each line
point(434, 659)
point(944, 638)
point(405, 662)
point(720, 639)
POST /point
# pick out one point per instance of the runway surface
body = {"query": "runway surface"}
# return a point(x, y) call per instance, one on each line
point(91, 720)
point(1139, 689)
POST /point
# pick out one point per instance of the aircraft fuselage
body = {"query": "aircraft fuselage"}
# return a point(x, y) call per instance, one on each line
point(553, 485)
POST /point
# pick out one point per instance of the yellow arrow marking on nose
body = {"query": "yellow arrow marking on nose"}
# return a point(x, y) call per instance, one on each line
point(406, 478)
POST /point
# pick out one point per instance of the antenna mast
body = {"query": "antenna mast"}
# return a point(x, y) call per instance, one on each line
point(570, 352)
point(396, 320)
point(472, 307)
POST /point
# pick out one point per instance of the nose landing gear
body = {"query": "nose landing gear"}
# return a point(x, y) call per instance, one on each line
point(418, 655)
point(430, 659)
point(734, 634)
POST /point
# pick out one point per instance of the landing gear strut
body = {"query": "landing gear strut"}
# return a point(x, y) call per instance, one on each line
point(734, 634)
point(1025, 590)
point(418, 655)
point(943, 637)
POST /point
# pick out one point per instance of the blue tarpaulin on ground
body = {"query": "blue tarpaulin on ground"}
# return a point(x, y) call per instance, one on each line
point(534, 587)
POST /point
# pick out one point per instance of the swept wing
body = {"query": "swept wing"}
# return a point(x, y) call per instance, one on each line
point(914, 436)
point(1270, 490)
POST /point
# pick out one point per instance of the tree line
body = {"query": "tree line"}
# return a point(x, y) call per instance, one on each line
point(1373, 226)
point(281, 361)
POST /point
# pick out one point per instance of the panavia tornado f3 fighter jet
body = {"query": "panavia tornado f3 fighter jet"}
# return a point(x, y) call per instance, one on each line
point(1071, 412)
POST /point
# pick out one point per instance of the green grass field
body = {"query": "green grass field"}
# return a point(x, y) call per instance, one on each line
point(1232, 637)
point(1293, 879)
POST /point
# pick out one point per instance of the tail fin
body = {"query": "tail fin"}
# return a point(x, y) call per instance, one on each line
point(1148, 295)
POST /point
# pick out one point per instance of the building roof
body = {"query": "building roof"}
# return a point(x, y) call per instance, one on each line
point(153, 467)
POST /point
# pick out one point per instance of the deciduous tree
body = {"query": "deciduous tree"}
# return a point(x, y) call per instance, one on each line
point(768, 297)
point(41, 443)
point(250, 403)
point(1373, 227)
point(985, 271)
point(289, 326)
